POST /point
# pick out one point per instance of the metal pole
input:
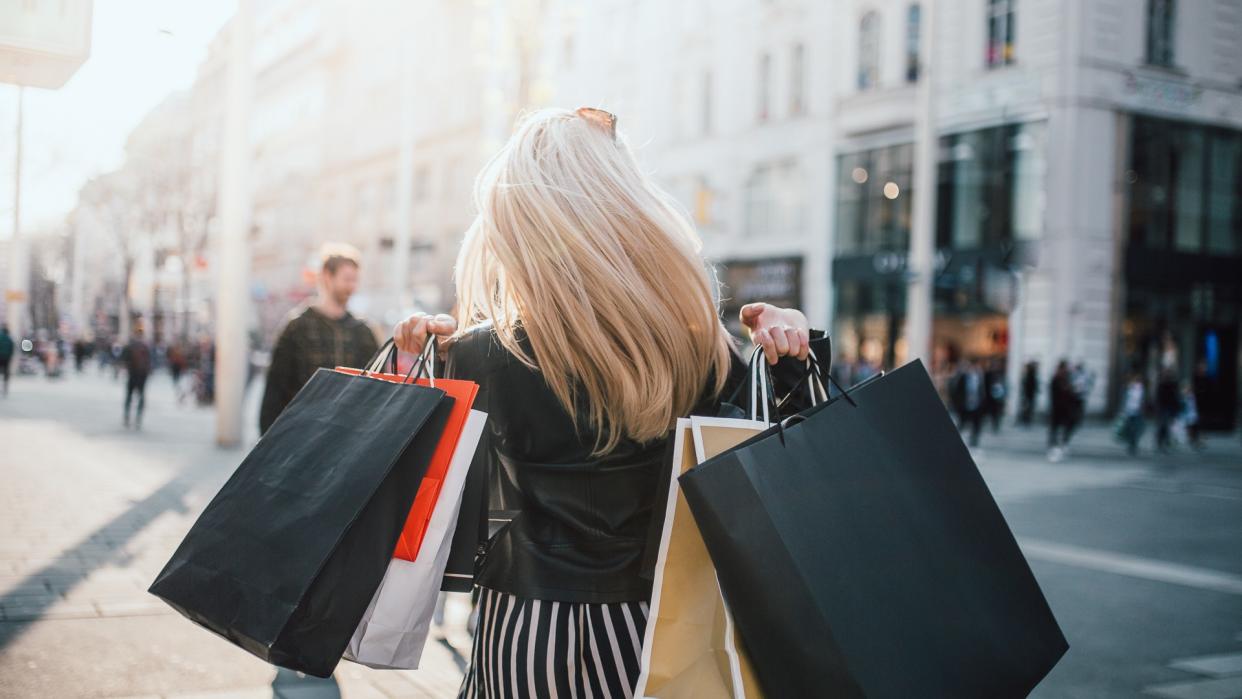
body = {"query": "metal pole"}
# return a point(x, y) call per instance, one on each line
point(15, 295)
point(233, 263)
point(399, 289)
point(920, 266)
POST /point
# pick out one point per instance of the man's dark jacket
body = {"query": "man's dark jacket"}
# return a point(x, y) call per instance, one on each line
point(311, 340)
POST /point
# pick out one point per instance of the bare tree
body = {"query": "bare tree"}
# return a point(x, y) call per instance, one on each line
point(109, 200)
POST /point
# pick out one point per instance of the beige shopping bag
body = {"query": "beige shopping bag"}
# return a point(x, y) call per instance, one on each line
point(713, 435)
point(689, 651)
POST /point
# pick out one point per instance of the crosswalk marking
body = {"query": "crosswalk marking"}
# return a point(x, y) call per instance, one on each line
point(1132, 566)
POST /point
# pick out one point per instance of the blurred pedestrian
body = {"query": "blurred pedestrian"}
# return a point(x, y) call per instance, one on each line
point(1168, 407)
point(136, 357)
point(176, 368)
point(969, 398)
point(81, 350)
point(843, 371)
point(1063, 405)
point(103, 352)
point(1084, 383)
point(997, 391)
point(204, 362)
point(117, 350)
point(1130, 427)
point(1189, 417)
point(323, 334)
point(1201, 385)
point(865, 369)
point(51, 359)
point(1030, 390)
point(7, 348)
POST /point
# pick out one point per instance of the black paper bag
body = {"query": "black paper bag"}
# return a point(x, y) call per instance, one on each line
point(861, 554)
point(285, 559)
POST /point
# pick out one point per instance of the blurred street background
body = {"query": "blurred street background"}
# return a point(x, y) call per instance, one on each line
point(1040, 199)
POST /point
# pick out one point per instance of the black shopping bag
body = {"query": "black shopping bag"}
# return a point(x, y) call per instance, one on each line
point(862, 554)
point(287, 556)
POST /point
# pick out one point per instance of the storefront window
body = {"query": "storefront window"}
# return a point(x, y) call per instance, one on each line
point(874, 195)
point(1188, 193)
point(1224, 235)
point(1185, 187)
point(870, 322)
point(991, 186)
point(1027, 147)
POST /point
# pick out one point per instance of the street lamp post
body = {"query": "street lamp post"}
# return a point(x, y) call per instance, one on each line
point(921, 264)
point(15, 295)
point(232, 355)
point(403, 233)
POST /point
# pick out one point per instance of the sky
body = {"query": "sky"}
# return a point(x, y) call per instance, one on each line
point(141, 51)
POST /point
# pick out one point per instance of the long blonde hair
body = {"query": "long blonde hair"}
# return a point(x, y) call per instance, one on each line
point(578, 250)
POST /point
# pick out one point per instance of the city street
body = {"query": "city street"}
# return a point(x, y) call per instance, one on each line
point(1139, 558)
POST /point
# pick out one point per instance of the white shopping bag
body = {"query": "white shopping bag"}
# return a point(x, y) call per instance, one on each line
point(394, 629)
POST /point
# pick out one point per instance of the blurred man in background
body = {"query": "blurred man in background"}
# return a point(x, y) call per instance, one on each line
point(1063, 402)
point(137, 360)
point(969, 392)
point(1030, 390)
point(997, 391)
point(1168, 407)
point(323, 334)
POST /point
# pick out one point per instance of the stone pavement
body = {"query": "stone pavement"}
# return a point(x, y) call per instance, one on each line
point(91, 512)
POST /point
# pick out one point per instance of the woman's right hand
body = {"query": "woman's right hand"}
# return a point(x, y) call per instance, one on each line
point(410, 335)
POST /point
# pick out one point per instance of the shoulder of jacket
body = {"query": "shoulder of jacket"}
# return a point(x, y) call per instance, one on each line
point(295, 321)
point(477, 340)
point(478, 350)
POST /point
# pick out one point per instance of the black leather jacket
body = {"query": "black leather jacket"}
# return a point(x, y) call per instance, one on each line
point(579, 524)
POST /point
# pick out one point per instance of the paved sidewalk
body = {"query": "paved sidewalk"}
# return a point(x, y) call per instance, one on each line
point(92, 512)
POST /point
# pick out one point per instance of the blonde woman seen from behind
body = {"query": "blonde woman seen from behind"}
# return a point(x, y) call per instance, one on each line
point(586, 316)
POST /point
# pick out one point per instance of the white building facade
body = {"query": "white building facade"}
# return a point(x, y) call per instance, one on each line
point(1087, 196)
point(727, 104)
point(1087, 187)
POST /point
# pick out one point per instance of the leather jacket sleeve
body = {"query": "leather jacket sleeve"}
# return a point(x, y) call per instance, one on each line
point(568, 525)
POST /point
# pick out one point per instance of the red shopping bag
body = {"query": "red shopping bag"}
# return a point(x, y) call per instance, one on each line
point(463, 394)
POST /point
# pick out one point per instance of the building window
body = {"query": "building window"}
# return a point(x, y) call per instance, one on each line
point(705, 119)
point(991, 187)
point(797, 81)
point(914, 20)
point(874, 197)
point(1185, 188)
point(1160, 23)
point(422, 183)
point(775, 200)
point(765, 87)
point(1000, 32)
point(869, 51)
point(567, 50)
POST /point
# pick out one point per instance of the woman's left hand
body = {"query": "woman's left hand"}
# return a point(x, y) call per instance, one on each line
point(781, 332)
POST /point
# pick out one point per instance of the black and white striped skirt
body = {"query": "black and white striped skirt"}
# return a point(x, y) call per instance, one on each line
point(537, 648)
